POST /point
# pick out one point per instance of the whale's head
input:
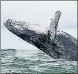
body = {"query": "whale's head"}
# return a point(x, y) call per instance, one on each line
point(28, 32)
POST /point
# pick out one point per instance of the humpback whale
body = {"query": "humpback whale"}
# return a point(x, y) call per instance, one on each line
point(55, 43)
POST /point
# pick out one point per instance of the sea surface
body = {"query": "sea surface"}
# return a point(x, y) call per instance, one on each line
point(34, 61)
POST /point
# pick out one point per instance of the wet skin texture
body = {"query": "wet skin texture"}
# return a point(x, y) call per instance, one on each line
point(63, 46)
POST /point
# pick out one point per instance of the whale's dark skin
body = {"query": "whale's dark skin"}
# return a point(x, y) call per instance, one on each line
point(62, 46)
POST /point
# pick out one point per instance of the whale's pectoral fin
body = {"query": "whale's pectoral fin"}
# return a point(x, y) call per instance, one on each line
point(53, 26)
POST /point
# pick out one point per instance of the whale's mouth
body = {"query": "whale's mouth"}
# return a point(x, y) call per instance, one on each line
point(8, 24)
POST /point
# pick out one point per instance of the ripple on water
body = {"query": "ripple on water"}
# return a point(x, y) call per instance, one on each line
point(25, 61)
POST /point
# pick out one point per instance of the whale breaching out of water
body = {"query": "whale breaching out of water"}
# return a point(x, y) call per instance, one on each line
point(55, 43)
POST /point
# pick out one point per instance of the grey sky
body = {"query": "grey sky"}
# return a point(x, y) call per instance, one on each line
point(39, 12)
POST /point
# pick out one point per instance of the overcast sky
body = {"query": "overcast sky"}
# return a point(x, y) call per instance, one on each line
point(39, 12)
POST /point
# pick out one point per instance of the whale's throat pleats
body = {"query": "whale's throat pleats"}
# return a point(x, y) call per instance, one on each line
point(53, 26)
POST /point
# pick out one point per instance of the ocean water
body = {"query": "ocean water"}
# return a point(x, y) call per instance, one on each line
point(34, 61)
